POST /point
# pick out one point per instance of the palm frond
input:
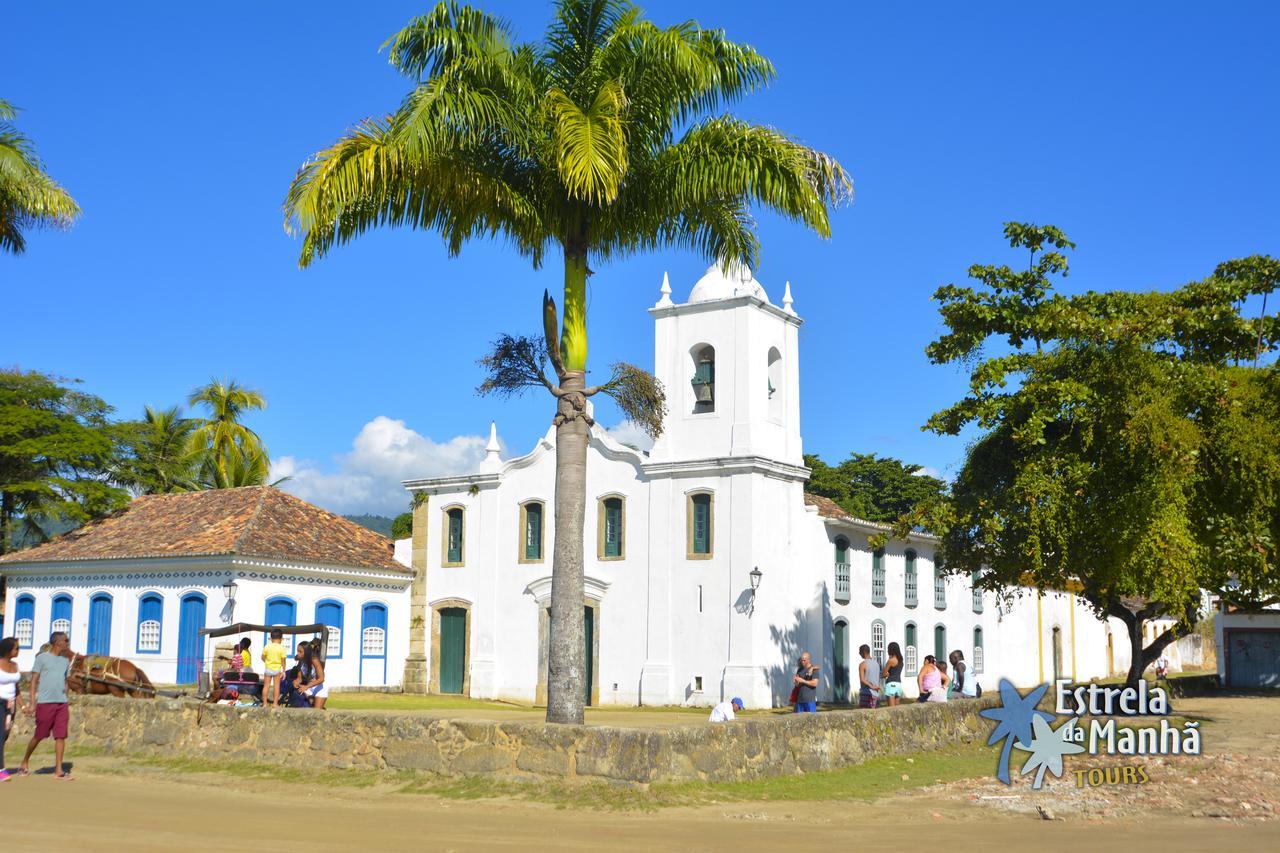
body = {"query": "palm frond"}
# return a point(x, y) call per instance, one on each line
point(451, 33)
point(590, 145)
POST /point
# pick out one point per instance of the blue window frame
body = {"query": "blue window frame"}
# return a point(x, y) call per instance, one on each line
point(329, 612)
point(281, 610)
point(150, 623)
point(24, 620)
point(60, 618)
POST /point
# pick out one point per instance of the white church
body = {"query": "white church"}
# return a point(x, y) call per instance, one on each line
point(708, 567)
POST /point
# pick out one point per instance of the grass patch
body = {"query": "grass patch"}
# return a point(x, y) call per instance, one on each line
point(415, 702)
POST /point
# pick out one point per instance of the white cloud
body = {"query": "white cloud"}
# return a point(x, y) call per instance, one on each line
point(367, 479)
point(629, 433)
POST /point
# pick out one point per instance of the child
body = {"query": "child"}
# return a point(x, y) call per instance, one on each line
point(273, 661)
point(246, 659)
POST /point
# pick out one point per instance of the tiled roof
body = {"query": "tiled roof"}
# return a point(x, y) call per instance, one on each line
point(254, 521)
point(828, 508)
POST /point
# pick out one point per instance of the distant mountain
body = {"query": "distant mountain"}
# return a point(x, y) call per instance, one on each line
point(376, 523)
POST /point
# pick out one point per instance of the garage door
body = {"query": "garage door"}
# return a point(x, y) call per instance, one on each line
point(1253, 658)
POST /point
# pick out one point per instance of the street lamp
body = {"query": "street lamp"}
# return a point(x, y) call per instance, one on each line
point(755, 575)
point(229, 590)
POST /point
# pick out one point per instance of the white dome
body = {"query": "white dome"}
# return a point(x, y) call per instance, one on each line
point(716, 284)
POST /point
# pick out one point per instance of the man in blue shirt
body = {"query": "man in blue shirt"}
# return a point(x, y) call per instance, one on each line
point(49, 698)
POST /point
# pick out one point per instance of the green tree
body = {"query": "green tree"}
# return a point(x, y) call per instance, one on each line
point(402, 526)
point(231, 454)
point(598, 142)
point(29, 198)
point(56, 454)
point(1117, 438)
point(160, 455)
point(873, 487)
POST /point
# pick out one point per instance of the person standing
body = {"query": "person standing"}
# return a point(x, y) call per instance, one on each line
point(10, 695)
point(806, 682)
point(892, 675)
point(726, 712)
point(868, 679)
point(49, 698)
point(274, 657)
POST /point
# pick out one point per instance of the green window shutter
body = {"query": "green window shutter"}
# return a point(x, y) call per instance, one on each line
point(455, 536)
point(613, 527)
point(702, 524)
point(533, 532)
point(910, 634)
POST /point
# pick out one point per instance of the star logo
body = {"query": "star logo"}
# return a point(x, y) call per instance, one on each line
point(1014, 721)
point(1048, 745)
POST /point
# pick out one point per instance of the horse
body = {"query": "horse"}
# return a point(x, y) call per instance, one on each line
point(101, 675)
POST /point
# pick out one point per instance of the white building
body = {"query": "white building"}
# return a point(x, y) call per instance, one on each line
point(141, 583)
point(673, 536)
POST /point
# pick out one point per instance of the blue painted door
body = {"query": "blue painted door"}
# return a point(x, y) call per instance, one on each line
point(191, 618)
point(373, 645)
point(99, 625)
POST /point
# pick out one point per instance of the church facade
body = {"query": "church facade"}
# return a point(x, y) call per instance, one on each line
point(708, 568)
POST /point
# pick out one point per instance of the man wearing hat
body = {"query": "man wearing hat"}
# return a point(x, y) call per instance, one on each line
point(726, 711)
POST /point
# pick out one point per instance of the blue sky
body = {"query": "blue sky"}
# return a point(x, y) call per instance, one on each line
point(1148, 132)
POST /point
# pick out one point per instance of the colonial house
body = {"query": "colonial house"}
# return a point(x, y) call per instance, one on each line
point(141, 583)
point(708, 568)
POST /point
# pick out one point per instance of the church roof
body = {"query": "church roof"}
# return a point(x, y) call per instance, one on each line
point(717, 284)
point(254, 521)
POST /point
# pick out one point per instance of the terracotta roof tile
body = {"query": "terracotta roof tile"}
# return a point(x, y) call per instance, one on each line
point(255, 521)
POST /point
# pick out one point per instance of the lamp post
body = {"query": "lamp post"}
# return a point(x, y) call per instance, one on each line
point(756, 575)
point(229, 590)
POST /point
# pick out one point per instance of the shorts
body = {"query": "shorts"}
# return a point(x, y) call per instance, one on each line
point(893, 688)
point(867, 698)
point(51, 719)
point(272, 673)
point(319, 691)
point(806, 707)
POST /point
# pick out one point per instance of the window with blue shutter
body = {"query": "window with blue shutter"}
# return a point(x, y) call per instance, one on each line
point(612, 527)
point(329, 612)
point(150, 619)
point(701, 521)
point(281, 611)
point(24, 624)
point(533, 531)
point(61, 620)
point(453, 545)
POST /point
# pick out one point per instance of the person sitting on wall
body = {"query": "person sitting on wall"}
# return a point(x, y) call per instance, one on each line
point(310, 680)
point(726, 711)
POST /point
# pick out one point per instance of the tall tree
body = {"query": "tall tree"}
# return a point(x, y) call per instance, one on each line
point(29, 198)
point(232, 454)
point(877, 488)
point(1117, 438)
point(598, 142)
point(56, 455)
point(160, 454)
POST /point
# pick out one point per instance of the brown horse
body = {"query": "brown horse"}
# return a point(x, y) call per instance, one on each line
point(100, 675)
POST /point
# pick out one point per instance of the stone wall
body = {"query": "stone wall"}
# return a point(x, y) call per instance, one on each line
point(747, 749)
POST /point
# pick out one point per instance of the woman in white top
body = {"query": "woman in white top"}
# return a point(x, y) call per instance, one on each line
point(10, 696)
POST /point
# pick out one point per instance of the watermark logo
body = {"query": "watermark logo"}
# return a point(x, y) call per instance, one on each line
point(1021, 725)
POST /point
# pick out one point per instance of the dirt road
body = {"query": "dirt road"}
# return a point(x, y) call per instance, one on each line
point(114, 805)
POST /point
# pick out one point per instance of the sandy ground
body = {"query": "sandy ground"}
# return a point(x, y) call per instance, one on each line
point(114, 805)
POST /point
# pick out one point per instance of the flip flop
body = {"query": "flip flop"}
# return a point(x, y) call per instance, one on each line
point(65, 777)
point(20, 772)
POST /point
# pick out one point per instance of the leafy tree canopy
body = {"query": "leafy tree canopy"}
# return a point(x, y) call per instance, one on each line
point(402, 526)
point(872, 487)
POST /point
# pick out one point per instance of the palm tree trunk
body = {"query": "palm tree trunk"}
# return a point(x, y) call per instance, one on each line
point(566, 657)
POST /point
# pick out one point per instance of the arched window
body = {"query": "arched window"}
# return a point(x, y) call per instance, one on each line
point(701, 525)
point(843, 583)
point(911, 653)
point(877, 641)
point(940, 642)
point(939, 588)
point(453, 539)
point(24, 625)
point(776, 397)
point(531, 527)
point(373, 631)
point(281, 610)
point(704, 379)
point(977, 592)
point(611, 530)
point(329, 612)
point(877, 577)
point(977, 649)
point(909, 584)
point(150, 618)
point(61, 614)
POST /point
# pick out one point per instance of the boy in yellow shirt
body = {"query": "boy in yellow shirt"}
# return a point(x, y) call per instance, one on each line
point(273, 661)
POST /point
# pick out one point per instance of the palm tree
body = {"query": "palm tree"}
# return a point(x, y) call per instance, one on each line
point(162, 456)
point(29, 198)
point(599, 142)
point(230, 450)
